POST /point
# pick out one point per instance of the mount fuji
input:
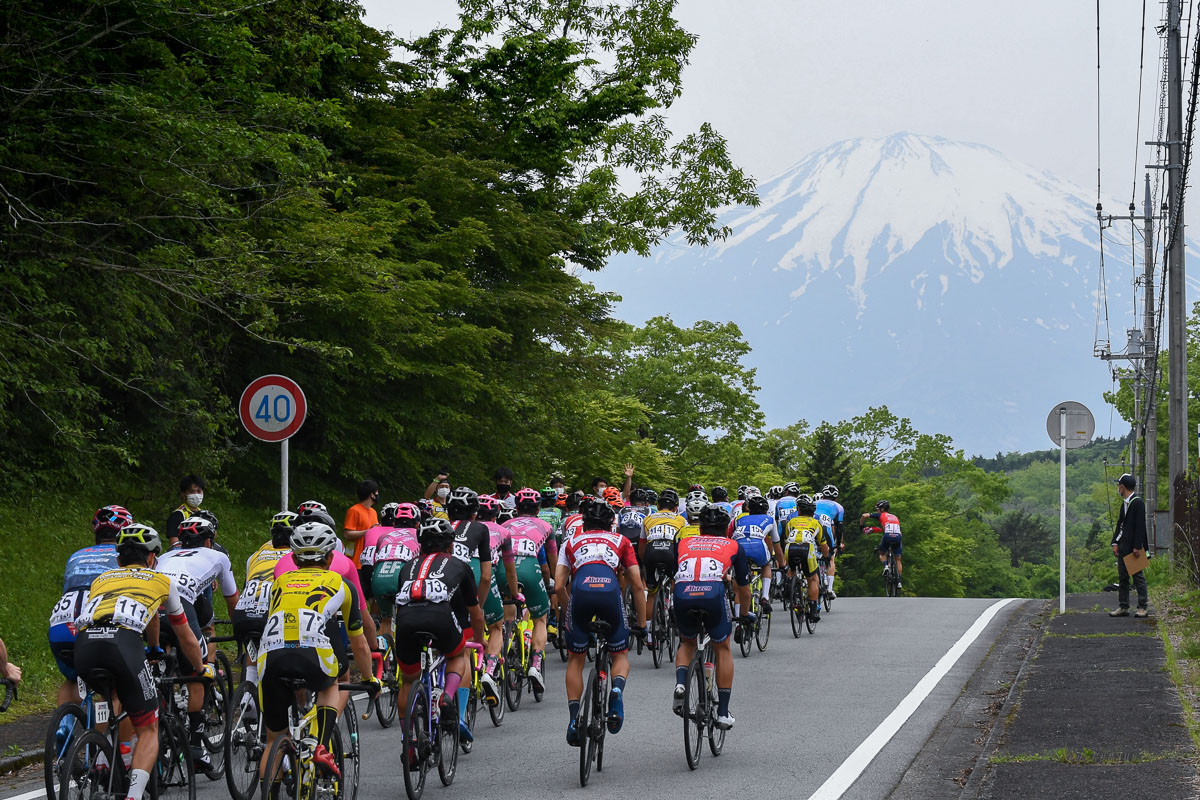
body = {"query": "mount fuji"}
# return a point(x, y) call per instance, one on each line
point(940, 278)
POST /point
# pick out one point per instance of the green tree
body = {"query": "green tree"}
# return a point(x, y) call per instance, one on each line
point(1027, 537)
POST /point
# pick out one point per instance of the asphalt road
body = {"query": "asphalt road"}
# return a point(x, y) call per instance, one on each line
point(802, 708)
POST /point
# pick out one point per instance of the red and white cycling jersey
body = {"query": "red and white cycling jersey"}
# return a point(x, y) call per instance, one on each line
point(705, 558)
point(599, 547)
point(571, 525)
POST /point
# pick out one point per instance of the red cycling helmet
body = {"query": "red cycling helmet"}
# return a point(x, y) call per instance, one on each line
point(110, 519)
point(612, 496)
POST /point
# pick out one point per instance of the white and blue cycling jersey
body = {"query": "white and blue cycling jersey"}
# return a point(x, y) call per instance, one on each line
point(829, 513)
point(630, 520)
point(751, 533)
point(87, 564)
point(785, 509)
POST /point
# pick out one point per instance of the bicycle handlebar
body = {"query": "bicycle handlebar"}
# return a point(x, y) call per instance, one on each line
point(370, 688)
point(10, 694)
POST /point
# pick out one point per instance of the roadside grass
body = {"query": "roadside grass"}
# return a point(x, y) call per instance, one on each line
point(1084, 757)
point(1177, 602)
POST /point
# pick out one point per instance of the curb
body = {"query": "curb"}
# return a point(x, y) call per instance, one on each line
point(974, 782)
point(23, 759)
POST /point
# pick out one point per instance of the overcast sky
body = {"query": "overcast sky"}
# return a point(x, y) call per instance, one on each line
point(780, 78)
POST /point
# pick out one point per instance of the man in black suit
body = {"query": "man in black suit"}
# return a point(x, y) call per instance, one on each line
point(1130, 537)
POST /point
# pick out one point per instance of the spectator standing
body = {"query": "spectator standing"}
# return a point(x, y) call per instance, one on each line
point(361, 517)
point(191, 487)
point(1130, 537)
point(503, 476)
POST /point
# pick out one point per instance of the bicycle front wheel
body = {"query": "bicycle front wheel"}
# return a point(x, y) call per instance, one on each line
point(762, 631)
point(448, 741)
point(243, 748)
point(418, 742)
point(216, 709)
point(695, 712)
point(352, 749)
point(73, 721)
point(796, 608)
point(472, 714)
point(281, 780)
point(385, 701)
point(175, 772)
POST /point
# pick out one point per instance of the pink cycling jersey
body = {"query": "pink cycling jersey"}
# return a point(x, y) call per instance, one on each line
point(341, 564)
point(502, 545)
point(370, 541)
point(529, 534)
point(398, 544)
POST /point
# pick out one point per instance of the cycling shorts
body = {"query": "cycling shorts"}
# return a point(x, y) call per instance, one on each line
point(595, 592)
point(436, 619)
point(168, 638)
point(493, 604)
point(364, 580)
point(203, 609)
point(248, 629)
point(801, 556)
point(756, 552)
point(64, 655)
point(529, 576)
point(891, 540)
point(276, 697)
point(385, 583)
point(108, 656)
point(660, 561)
point(707, 598)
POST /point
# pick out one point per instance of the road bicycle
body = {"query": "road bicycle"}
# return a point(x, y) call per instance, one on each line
point(388, 671)
point(517, 652)
point(822, 578)
point(891, 578)
point(67, 723)
point(801, 610)
point(431, 734)
point(291, 772)
point(475, 666)
point(663, 634)
point(753, 629)
point(592, 722)
point(245, 742)
point(700, 698)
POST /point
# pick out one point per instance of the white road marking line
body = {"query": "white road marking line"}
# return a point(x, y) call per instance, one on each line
point(854, 765)
point(30, 795)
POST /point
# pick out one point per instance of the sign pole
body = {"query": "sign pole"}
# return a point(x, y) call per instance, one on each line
point(283, 475)
point(1062, 511)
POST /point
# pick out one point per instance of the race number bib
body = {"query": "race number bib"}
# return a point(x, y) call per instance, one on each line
point(462, 552)
point(524, 548)
point(127, 612)
point(256, 597)
point(700, 568)
point(368, 556)
point(596, 553)
point(660, 533)
point(303, 628)
point(63, 612)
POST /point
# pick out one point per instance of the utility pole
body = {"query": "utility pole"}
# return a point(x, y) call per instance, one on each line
point(1150, 369)
point(1178, 432)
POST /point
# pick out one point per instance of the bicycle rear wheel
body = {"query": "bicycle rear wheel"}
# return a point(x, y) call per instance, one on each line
point(496, 712)
point(86, 767)
point(514, 678)
point(796, 604)
point(762, 631)
point(73, 719)
point(216, 710)
point(600, 712)
point(448, 741)
point(176, 774)
point(352, 750)
point(583, 729)
point(243, 748)
point(695, 713)
point(417, 742)
point(283, 769)
point(472, 713)
point(386, 701)
point(810, 606)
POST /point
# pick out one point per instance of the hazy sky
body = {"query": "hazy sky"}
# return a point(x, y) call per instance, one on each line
point(780, 78)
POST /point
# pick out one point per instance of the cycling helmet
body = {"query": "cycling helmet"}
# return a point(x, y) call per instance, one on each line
point(108, 521)
point(574, 498)
point(312, 541)
point(281, 528)
point(713, 519)
point(741, 492)
point(407, 515)
point(387, 515)
point(204, 513)
point(194, 531)
point(720, 494)
point(651, 497)
point(753, 491)
point(792, 488)
point(668, 499)
point(830, 492)
point(462, 503)
point(561, 501)
point(805, 505)
point(488, 507)
point(757, 504)
point(435, 535)
point(695, 487)
point(612, 496)
point(319, 515)
point(549, 497)
point(695, 503)
point(311, 505)
point(775, 492)
point(139, 537)
point(425, 506)
point(506, 514)
point(597, 514)
point(637, 497)
point(528, 500)
point(883, 505)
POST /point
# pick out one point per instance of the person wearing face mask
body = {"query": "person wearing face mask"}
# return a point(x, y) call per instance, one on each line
point(191, 487)
point(504, 493)
point(360, 518)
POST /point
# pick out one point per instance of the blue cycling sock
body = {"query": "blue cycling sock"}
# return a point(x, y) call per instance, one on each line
point(681, 675)
point(464, 695)
point(723, 702)
point(618, 683)
point(573, 708)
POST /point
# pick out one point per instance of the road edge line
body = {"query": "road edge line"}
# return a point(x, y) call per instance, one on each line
point(857, 762)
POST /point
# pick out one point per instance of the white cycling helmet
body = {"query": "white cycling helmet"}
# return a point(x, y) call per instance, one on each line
point(312, 541)
point(695, 503)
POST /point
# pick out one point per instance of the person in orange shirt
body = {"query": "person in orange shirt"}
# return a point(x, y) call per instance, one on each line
point(361, 517)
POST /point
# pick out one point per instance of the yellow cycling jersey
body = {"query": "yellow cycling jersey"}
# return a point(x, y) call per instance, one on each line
point(255, 598)
point(688, 531)
point(803, 529)
point(129, 597)
point(662, 526)
point(303, 603)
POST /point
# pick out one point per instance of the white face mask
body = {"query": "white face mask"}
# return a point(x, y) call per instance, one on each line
point(443, 494)
point(194, 500)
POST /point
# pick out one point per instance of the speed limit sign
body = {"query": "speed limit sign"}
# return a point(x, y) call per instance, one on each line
point(272, 408)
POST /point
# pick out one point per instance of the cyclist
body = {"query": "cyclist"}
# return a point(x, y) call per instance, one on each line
point(504, 582)
point(530, 536)
point(425, 507)
point(393, 550)
point(831, 514)
point(752, 531)
point(572, 521)
point(438, 596)
point(651, 500)
point(693, 504)
point(785, 506)
point(704, 561)
point(738, 504)
point(303, 641)
point(657, 548)
point(193, 566)
point(630, 518)
point(720, 496)
point(588, 587)
point(312, 507)
point(773, 495)
point(889, 526)
point(249, 617)
point(550, 512)
point(83, 567)
point(803, 538)
point(122, 606)
point(370, 543)
point(472, 540)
